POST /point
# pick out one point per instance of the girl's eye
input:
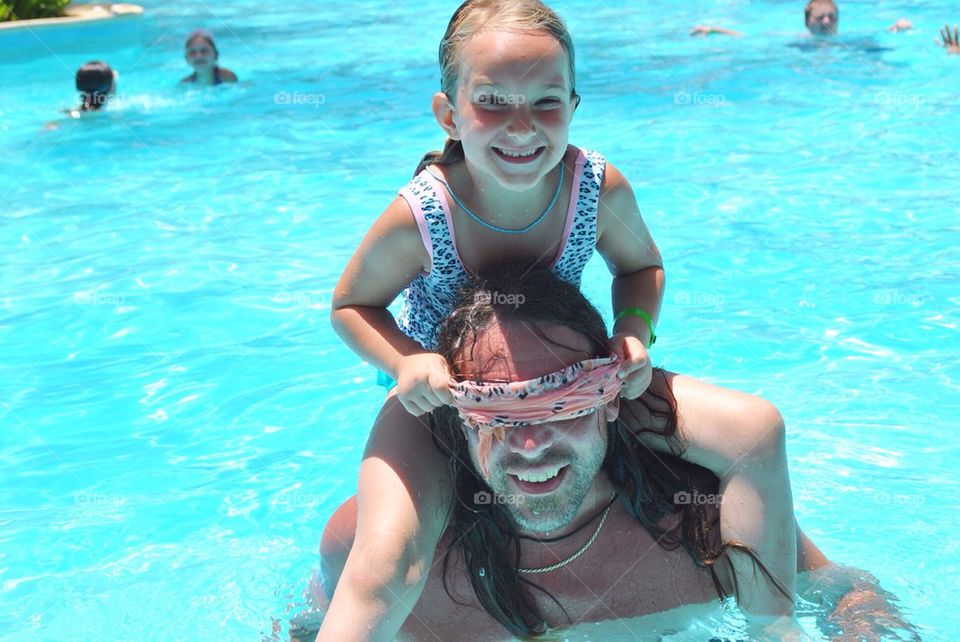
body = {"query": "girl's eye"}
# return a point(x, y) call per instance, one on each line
point(549, 103)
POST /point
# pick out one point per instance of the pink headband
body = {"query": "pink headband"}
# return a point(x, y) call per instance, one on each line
point(575, 391)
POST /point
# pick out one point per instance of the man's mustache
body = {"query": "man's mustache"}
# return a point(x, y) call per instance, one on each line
point(553, 459)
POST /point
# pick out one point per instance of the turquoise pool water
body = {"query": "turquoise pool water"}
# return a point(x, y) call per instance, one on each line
point(177, 418)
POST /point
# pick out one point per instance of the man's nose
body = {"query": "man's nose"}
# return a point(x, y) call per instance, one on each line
point(530, 441)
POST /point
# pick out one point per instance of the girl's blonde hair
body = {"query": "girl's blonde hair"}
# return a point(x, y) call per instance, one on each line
point(475, 16)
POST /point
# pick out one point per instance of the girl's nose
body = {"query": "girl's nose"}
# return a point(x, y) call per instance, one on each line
point(521, 122)
point(531, 441)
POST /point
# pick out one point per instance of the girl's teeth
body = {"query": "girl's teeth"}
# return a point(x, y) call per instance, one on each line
point(538, 477)
point(518, 154)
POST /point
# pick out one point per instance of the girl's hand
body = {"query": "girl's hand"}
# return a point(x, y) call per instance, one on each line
point(635, 368)
point(423, 383)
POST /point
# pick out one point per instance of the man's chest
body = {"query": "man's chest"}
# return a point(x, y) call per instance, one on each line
point(625, 573)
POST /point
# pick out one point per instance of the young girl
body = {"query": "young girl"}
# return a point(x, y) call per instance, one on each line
point(202, 54)
point(507, 186)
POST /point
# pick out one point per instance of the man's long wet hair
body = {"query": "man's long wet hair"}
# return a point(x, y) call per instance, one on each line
point(647, 482)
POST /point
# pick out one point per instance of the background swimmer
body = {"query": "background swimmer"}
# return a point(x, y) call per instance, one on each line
point(202, 54)
point(821, 17)
point(96, 82)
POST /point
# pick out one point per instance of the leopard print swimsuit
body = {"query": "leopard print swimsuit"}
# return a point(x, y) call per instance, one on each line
point(430, 296)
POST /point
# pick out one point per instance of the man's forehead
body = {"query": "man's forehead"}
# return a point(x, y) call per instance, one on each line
point(819, 8)
point(518, 351)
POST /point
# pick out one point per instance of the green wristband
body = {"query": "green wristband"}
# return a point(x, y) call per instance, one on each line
point(643, 314)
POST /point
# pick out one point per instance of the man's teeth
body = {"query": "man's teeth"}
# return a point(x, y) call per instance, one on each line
point(518, 154)
point(541, 476)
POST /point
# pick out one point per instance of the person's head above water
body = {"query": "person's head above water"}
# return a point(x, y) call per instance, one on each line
point(201, 50)
point(96, 82)
point(535, 394)
point(539, 442)
point(507, 89)
point(821, 17)
point(202, 54)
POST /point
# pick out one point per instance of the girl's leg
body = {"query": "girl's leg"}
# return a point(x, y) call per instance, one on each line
point(403, 499)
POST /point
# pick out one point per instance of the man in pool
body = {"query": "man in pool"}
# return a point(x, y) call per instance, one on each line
point(821, 18)
point(569, 505)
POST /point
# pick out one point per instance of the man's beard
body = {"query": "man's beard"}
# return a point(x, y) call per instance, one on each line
point(552, 511)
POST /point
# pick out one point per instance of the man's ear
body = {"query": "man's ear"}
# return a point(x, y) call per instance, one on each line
point(612, 409)
point(445, 112)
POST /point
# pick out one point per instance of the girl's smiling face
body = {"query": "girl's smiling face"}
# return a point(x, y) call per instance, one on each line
point(513, 106)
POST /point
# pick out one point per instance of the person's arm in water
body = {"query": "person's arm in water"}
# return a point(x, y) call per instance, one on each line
point(856, 606)
point(744, 444)
point(862, 609)
point(399, 492)
point(638, 278)
point(951, 41)
point(901, 25)
point(706, 30)
point(741, 438)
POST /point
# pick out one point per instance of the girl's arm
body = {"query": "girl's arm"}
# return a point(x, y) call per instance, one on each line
point(387, 260)
point(630, 254)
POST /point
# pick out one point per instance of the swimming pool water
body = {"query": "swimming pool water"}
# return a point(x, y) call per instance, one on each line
point(177, 418)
